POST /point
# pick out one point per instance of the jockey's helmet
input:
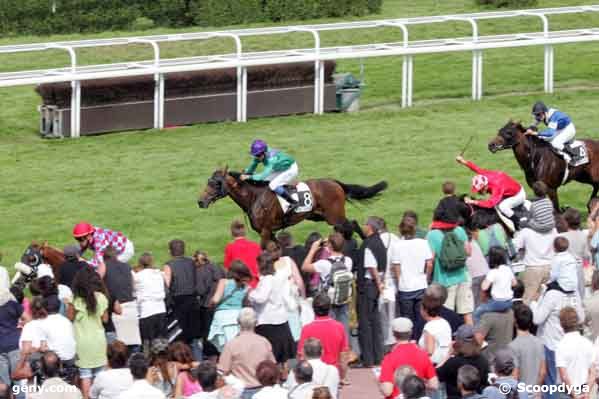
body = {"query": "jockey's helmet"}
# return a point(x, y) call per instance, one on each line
point(82, 229)
point(538, 109)
point(479, 182)
point(258, 147)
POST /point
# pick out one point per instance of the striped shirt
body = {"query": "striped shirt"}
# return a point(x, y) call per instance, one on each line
point(541, 215)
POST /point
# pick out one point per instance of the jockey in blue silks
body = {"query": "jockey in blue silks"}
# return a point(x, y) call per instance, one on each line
point(560, 129)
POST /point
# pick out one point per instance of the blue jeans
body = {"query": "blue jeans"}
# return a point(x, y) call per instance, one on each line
point(491, 306)
point(409, 304)
point(551, 377)
point(248, 393)
point(341, 314)
point(8, 363)
point(197, 349)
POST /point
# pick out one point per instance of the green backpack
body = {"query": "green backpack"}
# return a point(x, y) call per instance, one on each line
point(453, 255)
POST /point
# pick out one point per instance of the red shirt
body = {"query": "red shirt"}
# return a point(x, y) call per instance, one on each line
point(501, 185)
point(406, 354)
point(331, 335)
point(246, 251)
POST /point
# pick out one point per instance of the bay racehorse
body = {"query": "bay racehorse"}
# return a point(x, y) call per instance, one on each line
point(261, 205)
point(539, 161)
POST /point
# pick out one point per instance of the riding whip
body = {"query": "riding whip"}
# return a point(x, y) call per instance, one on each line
point(466, 146)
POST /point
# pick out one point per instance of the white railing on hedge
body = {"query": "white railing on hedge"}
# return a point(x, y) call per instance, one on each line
point(158, 67)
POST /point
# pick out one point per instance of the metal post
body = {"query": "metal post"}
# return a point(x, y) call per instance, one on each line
point(244, 93)
point(404, 82)
point(321, 88)
point(410, 79)
point(75, 90)
point(75, 109)
point(158, 82)
point(318, 69)
point(549, 66)
point(480, 75)
point(160, 101)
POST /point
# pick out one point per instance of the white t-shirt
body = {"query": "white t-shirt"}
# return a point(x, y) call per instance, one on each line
point(538, 248)
point(58, 332)
point(149, 291)
point(501, 280)
point(413, 255)
point(390, 241)
point(441, 330)
point(323, 266)
point(31, 333)
point(575, 353)
point(109, 384)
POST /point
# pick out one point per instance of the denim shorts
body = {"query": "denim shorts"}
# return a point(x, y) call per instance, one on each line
point(89, 373)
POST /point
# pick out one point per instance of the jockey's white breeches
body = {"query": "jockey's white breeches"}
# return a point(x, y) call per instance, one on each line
point(507, 205)
point(563, 136)
point(283, 177)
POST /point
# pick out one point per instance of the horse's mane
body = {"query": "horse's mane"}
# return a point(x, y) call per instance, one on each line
point(237, 176)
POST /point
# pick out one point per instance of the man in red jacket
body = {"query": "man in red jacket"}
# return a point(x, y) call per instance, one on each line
point(244, 250)
point(506, 193)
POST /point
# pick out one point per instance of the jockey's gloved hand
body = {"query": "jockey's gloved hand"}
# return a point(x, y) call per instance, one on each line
point(534, 128)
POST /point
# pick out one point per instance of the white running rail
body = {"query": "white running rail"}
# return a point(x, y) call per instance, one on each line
point(241, 60)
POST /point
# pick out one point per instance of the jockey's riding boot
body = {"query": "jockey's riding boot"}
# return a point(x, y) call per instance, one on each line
point(516, 220)
point(293, 204)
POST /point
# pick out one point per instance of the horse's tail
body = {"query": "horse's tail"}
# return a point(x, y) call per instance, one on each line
point(357, 192)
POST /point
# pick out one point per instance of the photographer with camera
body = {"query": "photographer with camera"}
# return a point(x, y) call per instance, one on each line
point(43, 373)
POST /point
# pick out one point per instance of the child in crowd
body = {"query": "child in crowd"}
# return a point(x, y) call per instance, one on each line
point(541, 217)
point(564, 275)
point(501, 280)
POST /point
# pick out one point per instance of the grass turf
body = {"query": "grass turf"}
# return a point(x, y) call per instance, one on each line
point(146, 183)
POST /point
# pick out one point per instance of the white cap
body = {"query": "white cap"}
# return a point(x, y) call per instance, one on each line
point(44, 270)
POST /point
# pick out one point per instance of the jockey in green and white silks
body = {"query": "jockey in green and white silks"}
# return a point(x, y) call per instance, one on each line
point(279, 169)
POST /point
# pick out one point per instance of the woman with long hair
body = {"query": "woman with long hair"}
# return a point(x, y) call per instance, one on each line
point(87, 312)
point(293, 285)
point(163, 372)
point(273, 317)
point(228, 300)
point(186, 384)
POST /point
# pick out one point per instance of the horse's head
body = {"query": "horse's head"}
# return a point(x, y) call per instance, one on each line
point(215, 189)
point(507, 137)
point(33, 255)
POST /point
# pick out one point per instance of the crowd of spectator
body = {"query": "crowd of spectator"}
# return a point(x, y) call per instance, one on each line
point(448, 311)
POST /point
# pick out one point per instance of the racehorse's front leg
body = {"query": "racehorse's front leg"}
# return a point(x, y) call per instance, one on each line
point(593, 195)
point(266, 235)
point(552, 194)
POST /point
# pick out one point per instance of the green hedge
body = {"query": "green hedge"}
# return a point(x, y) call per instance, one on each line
point(508, 3)
point(71, 16)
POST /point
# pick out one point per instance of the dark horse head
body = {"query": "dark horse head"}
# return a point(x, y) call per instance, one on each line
point(475, 217)
point(508, 137)
point(33, 255)
point(215, 189)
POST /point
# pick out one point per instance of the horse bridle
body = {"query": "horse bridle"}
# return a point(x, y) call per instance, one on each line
point(34, 254)
point(218, 184)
